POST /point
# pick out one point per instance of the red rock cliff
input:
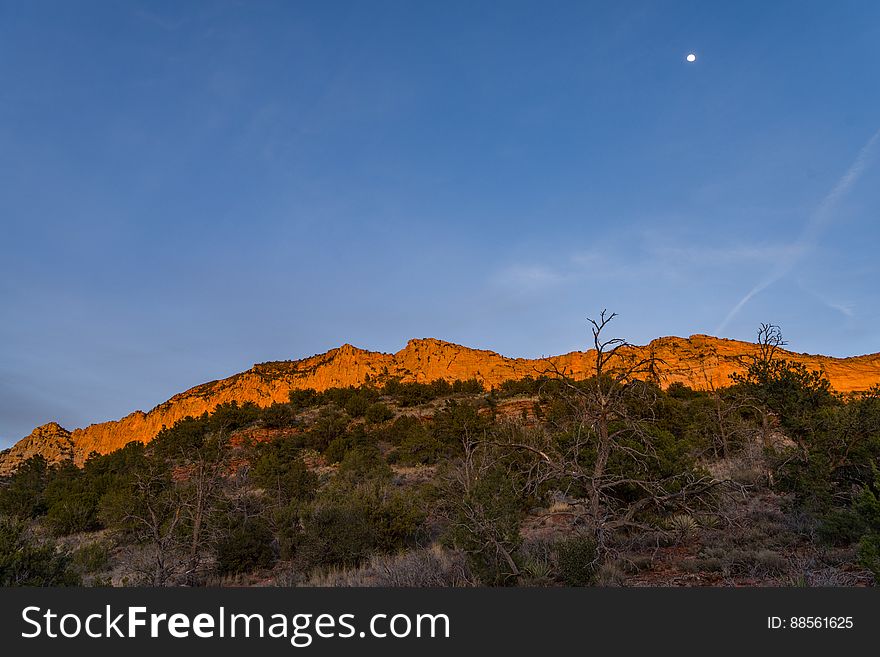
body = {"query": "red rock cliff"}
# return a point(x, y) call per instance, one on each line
point(698, 361)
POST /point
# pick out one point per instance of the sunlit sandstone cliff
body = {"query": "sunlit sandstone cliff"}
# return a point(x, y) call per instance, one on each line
point(699, 361)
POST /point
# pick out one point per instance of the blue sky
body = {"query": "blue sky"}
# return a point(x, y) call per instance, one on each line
point(189, 188)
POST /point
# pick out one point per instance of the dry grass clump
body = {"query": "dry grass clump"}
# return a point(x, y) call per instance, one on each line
point(434, 566)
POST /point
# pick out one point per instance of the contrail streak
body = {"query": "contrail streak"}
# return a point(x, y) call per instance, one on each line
point(812, 228)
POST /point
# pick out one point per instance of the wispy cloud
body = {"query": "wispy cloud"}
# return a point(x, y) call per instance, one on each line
point(842, 308)
point(812, 230)
point(636, 259)
point(845, 308)
point(738, 254)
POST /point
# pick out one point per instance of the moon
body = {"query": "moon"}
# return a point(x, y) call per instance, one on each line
point(691, 57)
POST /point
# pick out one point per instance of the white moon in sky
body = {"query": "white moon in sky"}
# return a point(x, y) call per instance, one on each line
point(691, 57)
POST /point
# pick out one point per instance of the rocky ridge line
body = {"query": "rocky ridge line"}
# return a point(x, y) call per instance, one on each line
point(699, 361)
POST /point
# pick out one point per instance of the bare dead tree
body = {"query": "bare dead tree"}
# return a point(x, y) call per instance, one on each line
point(758, 367)
point(206, 469)
point(727, 422)
point(611, 417)
point(479, 508)
point(769, 342)
point(169, 512)
point(152, 516)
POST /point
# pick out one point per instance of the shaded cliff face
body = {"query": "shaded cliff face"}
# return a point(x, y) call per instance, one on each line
point(699, 361)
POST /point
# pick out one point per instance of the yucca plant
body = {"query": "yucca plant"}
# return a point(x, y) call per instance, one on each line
point(684, 525)
point(538, 569)
point(709, 522)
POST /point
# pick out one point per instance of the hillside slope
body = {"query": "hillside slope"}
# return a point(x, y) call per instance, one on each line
point(699, 361)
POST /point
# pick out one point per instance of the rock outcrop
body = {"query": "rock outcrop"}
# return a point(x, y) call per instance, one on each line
point(51, 440)
point(699, 361)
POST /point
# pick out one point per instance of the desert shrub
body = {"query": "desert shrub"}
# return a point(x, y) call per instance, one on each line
point(577, 560)
point(363, 462)
point(338, 396)
point(425, 567)
point(286, 524)
point(485, 513)
point(719, 424)
point(192, 433)
point(527, 385)
point(148, 493)
point(398, 430)
point(841, 527)
point(397, 517)
point(74, 512)
point(838, 445)
point(329, 425)
point(106, 472)
point(670, 463)
point(25, 562)
point(300, 400)
point(610, 574)
point(281, 472)
point(678, 390)
point(71, 497)
point(377, 413)
point(248, 545)
point(416, 443)
point(22, 494)
point(467, 387)
point(183, 437)
point(457, 420)
point(701, 565)
point(345, 442)
point(768, 562)
point(556, 411)
point(789, 389)
point(673, 455)
point(867, 506)
point(869, 554)
point(232, 415)
point(334, 535)
point(348, 522)
point(357, 406)
point(279, 416)
point(416, 394)
point(337, 449)
point(91, 558)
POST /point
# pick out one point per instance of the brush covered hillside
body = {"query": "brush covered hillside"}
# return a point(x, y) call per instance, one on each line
point(608, 478)
point(700, 362)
